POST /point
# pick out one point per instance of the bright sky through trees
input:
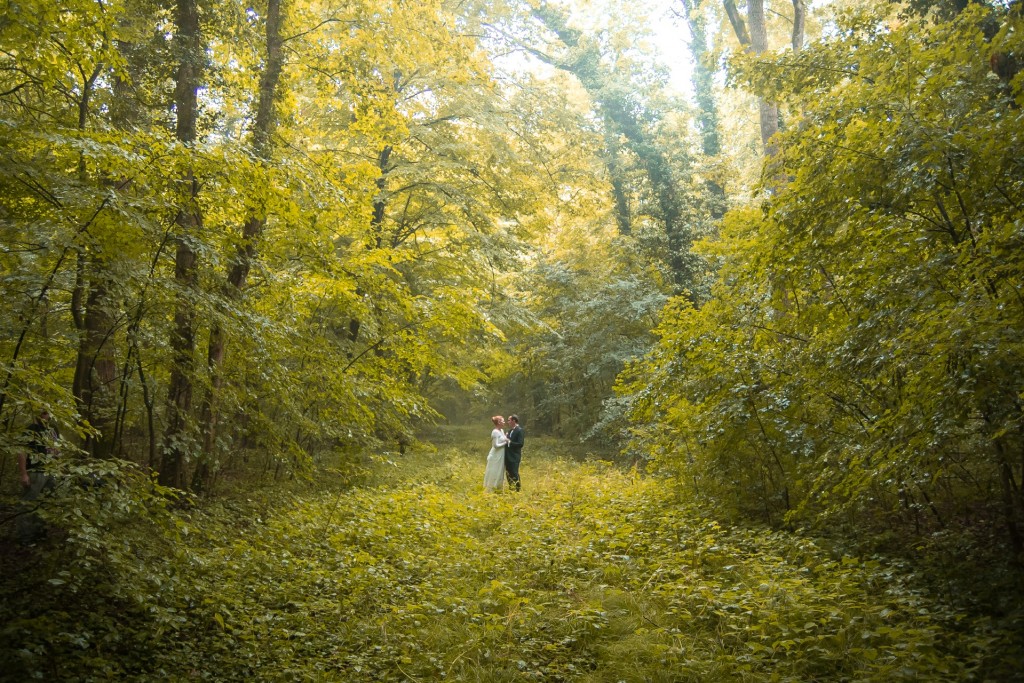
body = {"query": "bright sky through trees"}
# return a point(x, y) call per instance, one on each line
point(667, 39)
point(670, 37)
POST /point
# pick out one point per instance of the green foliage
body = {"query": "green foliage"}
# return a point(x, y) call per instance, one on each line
point(855, 367)
point(859, 362)
point(398, 182)
point(104, 584)
point(565, 365)
point(649, 145)
point(593, 573)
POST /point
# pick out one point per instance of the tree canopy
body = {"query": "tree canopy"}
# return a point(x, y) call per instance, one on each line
point(252, 246)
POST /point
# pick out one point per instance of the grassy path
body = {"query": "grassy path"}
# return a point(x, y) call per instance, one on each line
point(590, 574)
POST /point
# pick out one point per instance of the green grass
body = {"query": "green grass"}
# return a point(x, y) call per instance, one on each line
point(590, 574)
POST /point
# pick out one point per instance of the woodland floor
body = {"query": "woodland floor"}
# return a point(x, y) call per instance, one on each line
point(591, 573)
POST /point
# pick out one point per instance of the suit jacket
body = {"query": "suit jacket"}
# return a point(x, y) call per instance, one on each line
point(514, 448)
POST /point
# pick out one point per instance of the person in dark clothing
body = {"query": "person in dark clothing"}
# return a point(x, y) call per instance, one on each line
point(41, 442)
point(514, 452)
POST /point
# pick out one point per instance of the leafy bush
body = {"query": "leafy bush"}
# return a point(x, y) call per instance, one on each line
point(859, 366)
point(593, 573)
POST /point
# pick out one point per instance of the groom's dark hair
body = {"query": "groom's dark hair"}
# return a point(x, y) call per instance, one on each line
point(514, 417)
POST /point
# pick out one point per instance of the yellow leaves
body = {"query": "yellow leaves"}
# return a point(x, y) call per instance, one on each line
point(381, 55)
point(61, 43)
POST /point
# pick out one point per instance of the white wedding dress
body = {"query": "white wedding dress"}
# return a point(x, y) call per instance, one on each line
point(494, 475)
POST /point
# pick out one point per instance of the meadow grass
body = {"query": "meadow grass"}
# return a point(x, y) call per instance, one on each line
point(592, 573)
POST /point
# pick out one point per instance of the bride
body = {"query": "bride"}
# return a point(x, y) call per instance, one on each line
point(494, 475)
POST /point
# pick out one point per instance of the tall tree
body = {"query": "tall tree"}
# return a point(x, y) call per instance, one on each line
point(262, 149)
point(626, 117)
point(95, 369)
point(703, 88)
point(178, 437)
point(703, 78)
point(756, 42)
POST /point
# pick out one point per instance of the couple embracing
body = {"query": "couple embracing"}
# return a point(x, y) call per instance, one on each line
point(506, 452)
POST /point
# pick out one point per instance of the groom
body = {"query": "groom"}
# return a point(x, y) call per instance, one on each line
point(513, 452)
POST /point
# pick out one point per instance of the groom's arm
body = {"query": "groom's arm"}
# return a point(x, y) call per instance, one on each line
point(516, 438)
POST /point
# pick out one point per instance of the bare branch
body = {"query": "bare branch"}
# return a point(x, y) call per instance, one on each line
point(332, 20)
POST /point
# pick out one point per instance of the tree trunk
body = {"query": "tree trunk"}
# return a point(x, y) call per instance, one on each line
point(616, 176)
point(756, 42)
point(799, 16)
point(96, 370)
point(179, 397)
point(252, 230)
point(768, 111)
point(703, 88)
point(380, 202)
point(703, 81)
point(738, 25)
point(621, 119)
point(380, 205)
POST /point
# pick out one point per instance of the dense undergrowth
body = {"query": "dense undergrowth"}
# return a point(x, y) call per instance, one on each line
point(592, 573)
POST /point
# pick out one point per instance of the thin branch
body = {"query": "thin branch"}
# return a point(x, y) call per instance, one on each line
point(835, 289)
point(780, 15)
point(794, 337)
point(814, 67)
point(332, 20)
point(14, 89)
point(376, 344)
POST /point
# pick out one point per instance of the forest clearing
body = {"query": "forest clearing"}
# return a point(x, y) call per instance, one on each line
point(591, 573)
point(751, 273)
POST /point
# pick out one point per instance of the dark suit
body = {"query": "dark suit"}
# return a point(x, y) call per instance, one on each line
point(513, 455)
